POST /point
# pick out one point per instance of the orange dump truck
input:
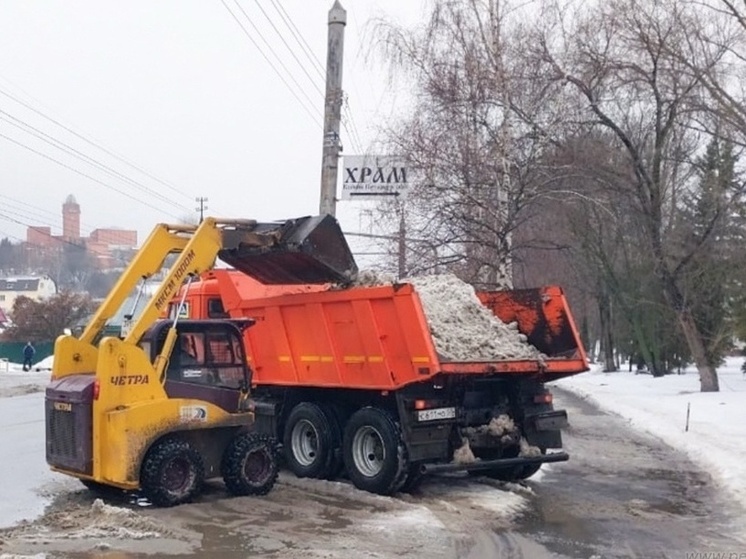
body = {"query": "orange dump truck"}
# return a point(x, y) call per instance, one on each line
point(351, 379)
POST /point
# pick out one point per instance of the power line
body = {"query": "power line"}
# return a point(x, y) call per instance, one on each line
point(89, 141)
point(272, 50)
point(73, 169)
point(19, 207)
point(62, 146)
point(292, 53)
point(316, 64)
point(292, 91)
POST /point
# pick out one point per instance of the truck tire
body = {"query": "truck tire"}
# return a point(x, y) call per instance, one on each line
point(249, 465)
point(373, 451)
point(172, 473)
point(311, 441)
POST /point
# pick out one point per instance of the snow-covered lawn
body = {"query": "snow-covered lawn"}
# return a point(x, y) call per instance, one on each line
point(716, 435)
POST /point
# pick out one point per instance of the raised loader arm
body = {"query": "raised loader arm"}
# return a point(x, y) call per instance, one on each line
point(303, 250)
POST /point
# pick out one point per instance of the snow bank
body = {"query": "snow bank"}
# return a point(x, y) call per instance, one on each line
point(716, 436)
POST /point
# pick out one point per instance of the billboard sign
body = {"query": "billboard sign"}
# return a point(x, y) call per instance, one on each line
point(374, 177)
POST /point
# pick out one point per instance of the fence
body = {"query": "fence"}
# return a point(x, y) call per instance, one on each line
point(13, 351)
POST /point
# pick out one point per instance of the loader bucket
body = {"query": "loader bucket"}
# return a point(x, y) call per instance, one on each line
point(309, 249)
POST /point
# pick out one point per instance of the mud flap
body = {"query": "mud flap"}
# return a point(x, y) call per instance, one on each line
point(544, 429)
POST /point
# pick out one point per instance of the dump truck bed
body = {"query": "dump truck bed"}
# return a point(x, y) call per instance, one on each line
point(379, 338)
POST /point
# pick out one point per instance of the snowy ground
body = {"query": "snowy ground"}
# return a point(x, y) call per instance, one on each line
point(716, 435)
point(716, 438)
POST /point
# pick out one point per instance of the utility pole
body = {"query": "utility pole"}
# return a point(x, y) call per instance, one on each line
point(332, 109)
point(201, 208)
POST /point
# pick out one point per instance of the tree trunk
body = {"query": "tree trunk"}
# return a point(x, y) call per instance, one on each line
point(708, 378)
point(607, 338)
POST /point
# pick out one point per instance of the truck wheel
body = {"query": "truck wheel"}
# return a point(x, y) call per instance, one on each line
point(374, 453)
point(311, 441)
point(250, 465)
point(172, 473)
point(413, 480)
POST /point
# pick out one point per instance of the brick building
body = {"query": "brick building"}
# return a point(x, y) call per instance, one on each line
point(102, 244)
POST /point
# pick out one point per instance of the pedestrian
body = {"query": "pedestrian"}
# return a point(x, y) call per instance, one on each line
point(28, 355)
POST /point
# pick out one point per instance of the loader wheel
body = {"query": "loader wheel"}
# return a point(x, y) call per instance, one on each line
point(311, 441)
point(250, 465)
point(172, 473)
point(374, 453)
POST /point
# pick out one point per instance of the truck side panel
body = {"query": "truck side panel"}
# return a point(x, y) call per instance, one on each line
point(363, 338)
point(378, 337)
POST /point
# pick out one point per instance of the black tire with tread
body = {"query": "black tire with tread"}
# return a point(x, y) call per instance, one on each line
point(154, 468)
point(395, 468)
point(413, 480)
point(237, 479)
point(328, 440)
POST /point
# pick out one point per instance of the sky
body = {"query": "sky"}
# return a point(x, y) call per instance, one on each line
point(157, 103)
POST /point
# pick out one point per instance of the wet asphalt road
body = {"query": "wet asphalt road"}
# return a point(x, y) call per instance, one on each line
point(625, 494)
point(622, 494)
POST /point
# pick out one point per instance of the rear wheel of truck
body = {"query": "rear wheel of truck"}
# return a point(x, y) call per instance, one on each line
point(374, 453)
point(311, 441)
point(172, 473)
point(250, 465)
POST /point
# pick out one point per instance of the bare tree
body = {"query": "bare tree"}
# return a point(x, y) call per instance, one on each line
point(623, 61)
point(476, 133)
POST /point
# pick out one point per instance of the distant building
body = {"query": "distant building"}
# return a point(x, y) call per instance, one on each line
point(36, 288)
point(103, 244)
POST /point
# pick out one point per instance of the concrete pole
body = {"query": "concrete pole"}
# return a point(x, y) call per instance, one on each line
point(332, 109)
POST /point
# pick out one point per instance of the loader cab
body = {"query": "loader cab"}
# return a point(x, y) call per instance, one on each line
point(208, 361)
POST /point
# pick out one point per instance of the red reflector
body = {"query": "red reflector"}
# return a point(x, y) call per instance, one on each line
point(420, 404)
point(545, 398)
point(96, 389)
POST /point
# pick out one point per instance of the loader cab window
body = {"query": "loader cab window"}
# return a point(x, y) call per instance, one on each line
point(210, 357)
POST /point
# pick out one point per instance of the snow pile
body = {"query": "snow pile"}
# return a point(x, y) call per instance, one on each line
point(463, 329)
point(372, 278)
point(99, 521)
point(716, 437)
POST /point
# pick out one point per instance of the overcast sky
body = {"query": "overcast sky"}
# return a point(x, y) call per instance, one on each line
point(177, 89)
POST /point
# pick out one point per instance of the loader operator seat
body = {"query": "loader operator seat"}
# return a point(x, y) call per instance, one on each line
point(207, 363)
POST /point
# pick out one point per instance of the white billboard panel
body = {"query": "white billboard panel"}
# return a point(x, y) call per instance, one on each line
point(374, 177)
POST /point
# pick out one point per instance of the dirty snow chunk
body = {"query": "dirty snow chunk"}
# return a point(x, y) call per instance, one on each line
point(463, 329)
point(464, 454)
point(372, 278)
point(527, 450)
point(500, 425)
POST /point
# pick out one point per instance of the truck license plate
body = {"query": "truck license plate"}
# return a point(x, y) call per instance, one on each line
point(436, 413)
